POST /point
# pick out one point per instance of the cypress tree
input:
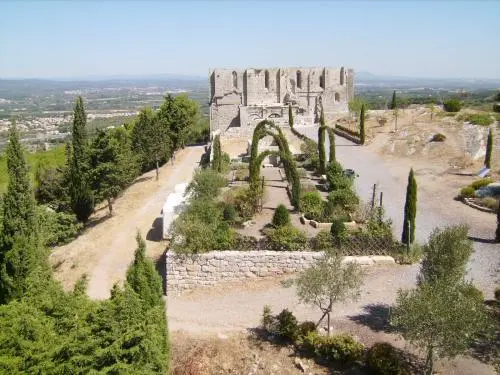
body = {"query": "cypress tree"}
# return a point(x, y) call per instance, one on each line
point(489, 150)
point(290, 116)
point(362, 125)
point(393, 102)
point(82, 201)
point(217, 155)
point(410, 211)
point(321, 144)
point(143, 277)
point(331, 138)
point(20, 253)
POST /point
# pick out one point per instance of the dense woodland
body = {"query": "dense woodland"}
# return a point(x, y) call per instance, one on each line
point(45, 329)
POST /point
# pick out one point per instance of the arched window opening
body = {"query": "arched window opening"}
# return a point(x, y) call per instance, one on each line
point(266, 79)
point(299, 79)
point(235, 80)
point(322, 80)
point(342, 74)
point(337, 97)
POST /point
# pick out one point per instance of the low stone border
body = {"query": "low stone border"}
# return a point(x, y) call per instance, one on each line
point(347, 136)
point(470, 203)
point(215, 267)
point(350, 225)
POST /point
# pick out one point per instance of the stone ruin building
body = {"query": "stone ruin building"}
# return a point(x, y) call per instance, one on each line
point(239, 99)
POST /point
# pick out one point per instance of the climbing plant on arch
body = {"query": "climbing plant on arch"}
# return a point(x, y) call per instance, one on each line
point(269, 128)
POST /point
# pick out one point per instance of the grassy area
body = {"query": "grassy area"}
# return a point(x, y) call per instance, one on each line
point(51, 158)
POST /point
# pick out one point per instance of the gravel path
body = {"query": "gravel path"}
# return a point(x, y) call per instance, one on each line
point(105, 251)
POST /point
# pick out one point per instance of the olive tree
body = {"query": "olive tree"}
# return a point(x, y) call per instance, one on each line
point(329, 281)
point(439, 318)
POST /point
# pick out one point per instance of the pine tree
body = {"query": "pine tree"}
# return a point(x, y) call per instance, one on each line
point(362, 125)
point(20, 252)
point(489, 150)
point(113, 166)
point(321, 144)
point(143, 277)
point(82, 201)
point(331, 138)
point(393, 101)
point(410, 212)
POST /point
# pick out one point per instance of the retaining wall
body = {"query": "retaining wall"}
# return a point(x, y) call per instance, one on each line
point(208, 269)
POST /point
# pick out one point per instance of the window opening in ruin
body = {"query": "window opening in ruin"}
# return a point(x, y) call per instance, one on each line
point(235, 80)
point(266, 79)
point(299, 79)
point(337, 97)
point(322, 80)
point(342, 75)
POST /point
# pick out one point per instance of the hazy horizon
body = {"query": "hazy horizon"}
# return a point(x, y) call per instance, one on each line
point(65, 40)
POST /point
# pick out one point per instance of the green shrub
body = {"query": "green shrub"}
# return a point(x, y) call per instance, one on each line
point(468, 192)
point(342, 348)
point(287, 325)
point(242, 200)
point(438, 137)
point(306, 328)
point(496, 107)
point(383, 359)
point(281, 216)
point(287, 238)
point(57, 228)
point(344, 198)
point(470, 291)
point(269, 322)
point(206, 183)
point(452, 105)
point(225, 162)
point(480, 119)
point(323, 241)
point(478, 184)
point(311, 203)
point(229, 213)
point(338, 230)
point(403, 256)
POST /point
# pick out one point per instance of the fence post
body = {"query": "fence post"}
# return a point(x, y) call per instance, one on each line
point(373, 196)
point(380, 208)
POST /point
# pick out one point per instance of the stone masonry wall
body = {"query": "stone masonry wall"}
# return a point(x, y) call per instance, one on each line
point(209, 269)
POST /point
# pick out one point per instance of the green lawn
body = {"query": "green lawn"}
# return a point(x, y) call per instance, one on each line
point(51, 158)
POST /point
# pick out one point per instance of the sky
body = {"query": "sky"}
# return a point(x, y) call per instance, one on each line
point(65, 39)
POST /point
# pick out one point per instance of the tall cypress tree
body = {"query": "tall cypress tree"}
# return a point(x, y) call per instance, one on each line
point(489, 150)
point(82, 200)
point(290, 116)
point(362, 125)
point(20, 253)
point(217, 155)
point(321, 144)
point(393, 101)
point(410, 212)
point(331, 138)
point(143, 277)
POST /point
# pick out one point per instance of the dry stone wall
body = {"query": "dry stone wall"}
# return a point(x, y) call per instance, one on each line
point(209, 269)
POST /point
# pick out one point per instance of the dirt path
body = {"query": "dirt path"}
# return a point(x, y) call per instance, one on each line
point(104, 251)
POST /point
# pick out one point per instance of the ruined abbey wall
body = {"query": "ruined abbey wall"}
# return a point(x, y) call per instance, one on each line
point(239, 99)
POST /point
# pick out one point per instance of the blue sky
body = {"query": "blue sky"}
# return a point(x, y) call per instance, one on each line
point(403, 38)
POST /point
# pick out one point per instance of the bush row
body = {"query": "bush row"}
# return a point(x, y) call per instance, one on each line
point(342, 349)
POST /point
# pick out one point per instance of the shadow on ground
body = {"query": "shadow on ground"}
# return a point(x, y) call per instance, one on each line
point(155, 234)
point(160, 265)
point(482, 240)
point(376, 318)
point(93, 222)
